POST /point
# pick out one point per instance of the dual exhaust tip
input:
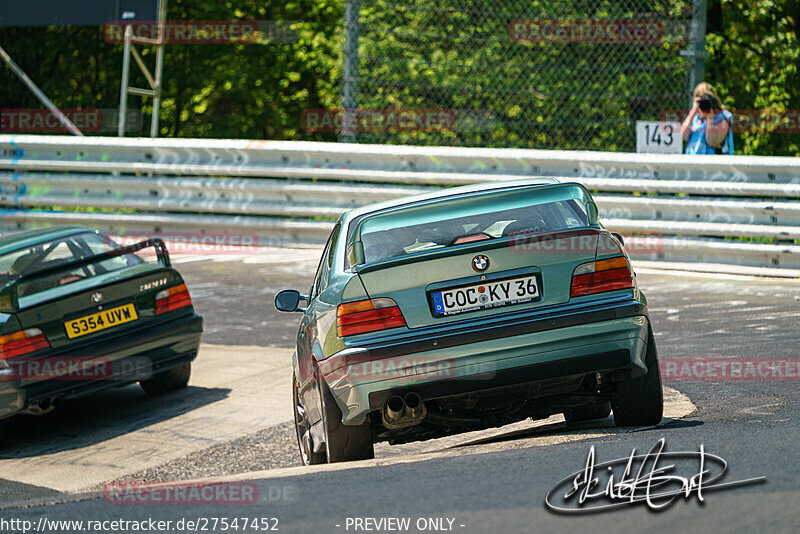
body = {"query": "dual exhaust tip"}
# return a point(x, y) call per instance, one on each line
point(405, 411)
point(46, 405)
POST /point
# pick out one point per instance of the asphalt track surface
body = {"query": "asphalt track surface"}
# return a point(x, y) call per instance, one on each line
point(488, 482)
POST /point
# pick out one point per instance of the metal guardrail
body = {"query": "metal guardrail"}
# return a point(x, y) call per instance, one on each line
point(685, 208)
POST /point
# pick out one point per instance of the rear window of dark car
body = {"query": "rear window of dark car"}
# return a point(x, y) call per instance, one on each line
point(60, 251)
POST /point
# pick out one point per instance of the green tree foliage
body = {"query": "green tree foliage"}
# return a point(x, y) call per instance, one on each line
point(475, 57)
point(754, 48)
point(416, 54)
point(210, 90)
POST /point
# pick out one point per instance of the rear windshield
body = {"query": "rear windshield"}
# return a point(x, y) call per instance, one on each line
point(468, 220)
point(60, 251)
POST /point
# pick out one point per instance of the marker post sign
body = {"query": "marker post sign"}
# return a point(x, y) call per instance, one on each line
point(658, 137)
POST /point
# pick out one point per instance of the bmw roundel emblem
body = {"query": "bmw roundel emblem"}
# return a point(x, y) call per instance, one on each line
point(480, 263)
point(97, 297)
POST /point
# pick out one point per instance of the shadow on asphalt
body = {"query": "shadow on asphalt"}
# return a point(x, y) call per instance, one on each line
point(604, 425)
point(100, 417)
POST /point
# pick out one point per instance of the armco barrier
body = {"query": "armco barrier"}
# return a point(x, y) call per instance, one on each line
point(741, 210)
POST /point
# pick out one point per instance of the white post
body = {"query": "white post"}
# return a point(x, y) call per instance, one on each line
point(123, 90)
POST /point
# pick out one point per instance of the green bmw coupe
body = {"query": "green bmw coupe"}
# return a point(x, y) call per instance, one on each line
point(79, 313)
point(468, 308)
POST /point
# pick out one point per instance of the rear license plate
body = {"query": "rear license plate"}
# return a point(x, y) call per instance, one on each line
point(485, 295)
point(100, 321)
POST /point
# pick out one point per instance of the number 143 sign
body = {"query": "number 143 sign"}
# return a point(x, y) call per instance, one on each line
point(656, 136)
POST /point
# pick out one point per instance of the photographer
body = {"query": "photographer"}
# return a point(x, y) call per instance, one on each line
point(707, 128)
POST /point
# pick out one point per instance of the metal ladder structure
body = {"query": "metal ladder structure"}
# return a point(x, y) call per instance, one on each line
point(153, 81)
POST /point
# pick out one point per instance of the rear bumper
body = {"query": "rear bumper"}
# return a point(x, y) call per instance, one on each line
point(127, 358)
point(601, 340)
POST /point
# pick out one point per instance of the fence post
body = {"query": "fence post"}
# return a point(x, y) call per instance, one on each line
point(162, 18)
point(350, 97)
point(698, 54)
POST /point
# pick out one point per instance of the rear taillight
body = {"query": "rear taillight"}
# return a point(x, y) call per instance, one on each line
point(369, 315)
point(172, 299)
point(22, 342)
point(601, 276)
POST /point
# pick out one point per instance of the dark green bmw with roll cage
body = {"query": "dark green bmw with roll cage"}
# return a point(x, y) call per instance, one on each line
point(468, 308)
point(79, 314)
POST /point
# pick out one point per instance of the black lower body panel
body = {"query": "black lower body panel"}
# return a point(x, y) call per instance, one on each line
point(122, 360)
point(595, 363)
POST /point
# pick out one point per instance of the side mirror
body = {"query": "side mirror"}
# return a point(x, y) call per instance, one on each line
point(619, 238)
point(288, 300)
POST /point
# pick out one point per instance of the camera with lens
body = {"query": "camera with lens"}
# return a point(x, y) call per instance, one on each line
point(706, 103)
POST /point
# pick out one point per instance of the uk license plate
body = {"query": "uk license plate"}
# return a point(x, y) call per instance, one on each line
point(485, 295)
point(100, 321)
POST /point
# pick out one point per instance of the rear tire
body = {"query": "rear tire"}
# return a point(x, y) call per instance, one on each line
point(640, 401)
point(302, 427)
point(343, 443)
point(166, 381)
point(588, 413)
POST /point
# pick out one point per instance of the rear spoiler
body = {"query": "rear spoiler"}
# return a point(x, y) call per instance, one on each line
point(8, 293)
point(355, 247)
